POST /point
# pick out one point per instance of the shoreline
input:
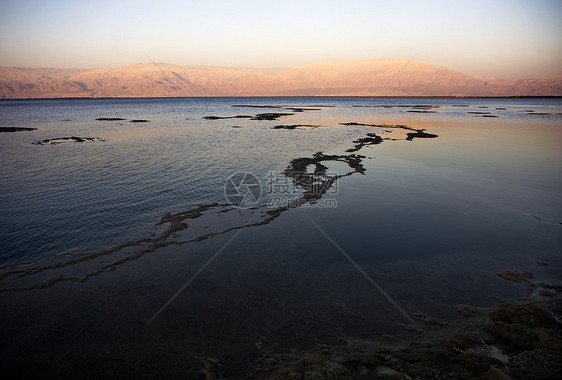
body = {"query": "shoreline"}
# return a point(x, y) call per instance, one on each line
point(285, 96)
point(520, 338)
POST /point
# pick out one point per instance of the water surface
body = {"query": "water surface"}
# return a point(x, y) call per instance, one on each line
point(431, 221)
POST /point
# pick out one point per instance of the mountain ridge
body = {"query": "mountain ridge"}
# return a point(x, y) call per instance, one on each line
point(370, 77)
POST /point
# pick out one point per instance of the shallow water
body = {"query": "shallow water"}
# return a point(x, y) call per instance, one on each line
point(430, 221)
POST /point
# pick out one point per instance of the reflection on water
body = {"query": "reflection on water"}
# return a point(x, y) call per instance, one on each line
point(431, 220)
point(88, 196)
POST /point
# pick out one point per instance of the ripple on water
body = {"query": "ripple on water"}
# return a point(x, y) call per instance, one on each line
point(91, 195)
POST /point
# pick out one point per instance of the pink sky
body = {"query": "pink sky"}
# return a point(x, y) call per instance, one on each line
point(485, 38)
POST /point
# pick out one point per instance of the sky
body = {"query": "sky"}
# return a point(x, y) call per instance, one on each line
point(500, 39)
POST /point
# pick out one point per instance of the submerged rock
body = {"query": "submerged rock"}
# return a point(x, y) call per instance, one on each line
point(301, 109)
point(466, 310)
point(541, 113)
point(518, 339)
point(226, 117)
point(270, 116)
point(295, 126)
point(260, 116)
point(311, 185)
point(61, 140)
point(16, 129)
point(290, 108)
point(515, 276)
point(420, 134)
point(371, 139)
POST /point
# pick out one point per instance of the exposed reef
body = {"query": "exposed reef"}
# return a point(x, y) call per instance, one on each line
point(290, 108)
point(61, 140)
point(371, 139)
point(295, 126)
point(310, 177)
point(420, 134)
point(270, 116)
point(266, 116)
point(531, 112)
point(16, 129)
point(139, 121)
point(227, 117)
point(416, 133)
point(260, 116)
point(394, 126)
point(110, 118)
point(417, 106)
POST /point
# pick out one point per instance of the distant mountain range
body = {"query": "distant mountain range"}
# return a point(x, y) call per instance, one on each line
point(372, 77)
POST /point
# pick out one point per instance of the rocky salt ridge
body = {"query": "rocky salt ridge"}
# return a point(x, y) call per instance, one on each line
point(220, 218)
point(16, 129)
point(71, 139)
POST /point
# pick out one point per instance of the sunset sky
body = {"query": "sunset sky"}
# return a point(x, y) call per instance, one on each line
point(484, 38)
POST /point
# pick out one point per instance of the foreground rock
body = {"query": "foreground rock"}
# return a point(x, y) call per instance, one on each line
point(518, 339)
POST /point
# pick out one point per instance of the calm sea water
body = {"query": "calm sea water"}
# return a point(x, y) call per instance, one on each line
point(79, 197)
point(432, 220)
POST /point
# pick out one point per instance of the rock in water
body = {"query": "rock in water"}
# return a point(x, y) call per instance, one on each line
point(16, 129)
point(62, 140)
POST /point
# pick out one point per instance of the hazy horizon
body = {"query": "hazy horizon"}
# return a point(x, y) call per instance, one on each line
point(501, 39)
